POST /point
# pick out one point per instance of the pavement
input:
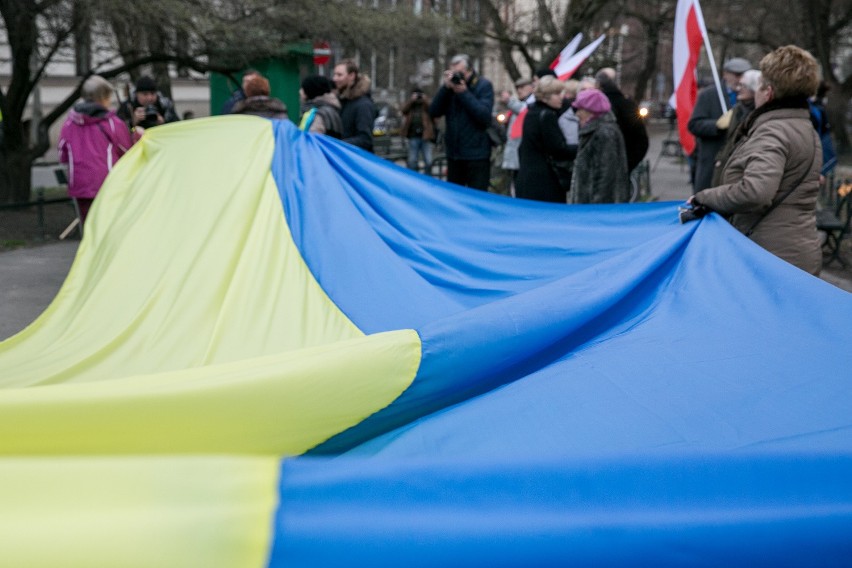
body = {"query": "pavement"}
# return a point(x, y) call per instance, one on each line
point(29, 280)
point(31, 277)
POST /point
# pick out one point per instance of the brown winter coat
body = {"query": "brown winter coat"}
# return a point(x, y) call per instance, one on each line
point(776, 151)
point(267, 107)
point(421, 107)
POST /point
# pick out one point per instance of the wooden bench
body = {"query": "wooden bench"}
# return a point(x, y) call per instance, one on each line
point(835, 224)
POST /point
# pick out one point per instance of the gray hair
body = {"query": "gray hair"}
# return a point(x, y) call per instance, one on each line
point(572, 86)
point(462, 57)
point(751, 80)
point(96, 89)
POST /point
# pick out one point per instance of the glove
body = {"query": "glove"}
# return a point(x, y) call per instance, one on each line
point(725, 120)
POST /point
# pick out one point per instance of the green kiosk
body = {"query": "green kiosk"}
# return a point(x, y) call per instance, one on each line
point(284, 73)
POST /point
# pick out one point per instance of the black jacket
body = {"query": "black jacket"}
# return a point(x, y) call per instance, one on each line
point(164, 105)
point(358, 113)
point(468, 116)
point(708, 139)
point(542, 141)
point(632, 128)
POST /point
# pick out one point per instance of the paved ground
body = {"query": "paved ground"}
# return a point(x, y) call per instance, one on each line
point(29, 279)
point(34, 263)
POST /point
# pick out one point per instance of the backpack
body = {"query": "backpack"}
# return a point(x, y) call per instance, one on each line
point(330, 118)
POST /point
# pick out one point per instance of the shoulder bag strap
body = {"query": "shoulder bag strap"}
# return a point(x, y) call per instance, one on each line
point(787, 193)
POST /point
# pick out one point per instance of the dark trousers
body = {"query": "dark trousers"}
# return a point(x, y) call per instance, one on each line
point(84, 204)
point(470, 173)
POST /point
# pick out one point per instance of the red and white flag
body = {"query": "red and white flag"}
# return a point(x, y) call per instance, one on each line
point(567, 52)
point(565, 64)
point(689, 34)
point(569, 65)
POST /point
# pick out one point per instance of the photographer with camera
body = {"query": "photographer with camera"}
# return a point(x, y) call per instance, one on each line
point(418, 129)
point(465, 99)
point(147, 107)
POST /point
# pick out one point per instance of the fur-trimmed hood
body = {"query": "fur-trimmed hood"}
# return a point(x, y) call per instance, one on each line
point(360, 88)
point(268, 107)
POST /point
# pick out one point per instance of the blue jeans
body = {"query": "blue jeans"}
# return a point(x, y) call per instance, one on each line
point(417, 147)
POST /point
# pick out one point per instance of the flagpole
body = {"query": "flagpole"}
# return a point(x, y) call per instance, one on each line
point(709, 51)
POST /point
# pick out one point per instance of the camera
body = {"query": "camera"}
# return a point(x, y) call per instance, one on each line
point(151, 113)
point(457, 78)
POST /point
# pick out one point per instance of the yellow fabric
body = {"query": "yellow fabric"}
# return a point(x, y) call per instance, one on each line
point(280, 404)
point(189, 322)
point(187, 261)
point(205, 512)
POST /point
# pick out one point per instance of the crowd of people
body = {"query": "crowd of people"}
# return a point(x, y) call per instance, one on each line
point(579, 142)
point(596, 135)
point(761, 143)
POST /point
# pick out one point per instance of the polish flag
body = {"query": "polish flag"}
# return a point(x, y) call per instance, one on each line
point(689, 34)
point(569, 65)
point(567, 52)
point(565, 64)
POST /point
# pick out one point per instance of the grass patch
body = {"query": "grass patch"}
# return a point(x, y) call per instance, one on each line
point(11, 244)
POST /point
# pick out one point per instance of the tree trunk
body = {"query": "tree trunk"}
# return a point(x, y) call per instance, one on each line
point(15, 175)
point(493, 15)
point(649, 65)
point(838, 102)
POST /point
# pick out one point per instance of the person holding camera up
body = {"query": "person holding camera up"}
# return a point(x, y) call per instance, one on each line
point(465, 99)
point(419, 129)
point(147, 107)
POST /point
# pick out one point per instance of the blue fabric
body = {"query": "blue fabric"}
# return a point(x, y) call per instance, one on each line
point(700, 353)
point(746, 510)
point(566, 342)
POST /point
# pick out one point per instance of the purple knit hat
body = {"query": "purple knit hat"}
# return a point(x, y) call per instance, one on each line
point(593, 101)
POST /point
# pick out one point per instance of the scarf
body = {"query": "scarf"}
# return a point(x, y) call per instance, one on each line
point(744, 129)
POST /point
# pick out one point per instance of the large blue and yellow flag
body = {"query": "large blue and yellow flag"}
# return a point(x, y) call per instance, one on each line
point(276, 350)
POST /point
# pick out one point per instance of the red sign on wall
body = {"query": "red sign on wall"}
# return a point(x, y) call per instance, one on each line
point(322, 52)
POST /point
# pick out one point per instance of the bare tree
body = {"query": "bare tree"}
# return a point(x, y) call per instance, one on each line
point(544, 31)
point(202, 35)
point(821, 26)
point(655, 17)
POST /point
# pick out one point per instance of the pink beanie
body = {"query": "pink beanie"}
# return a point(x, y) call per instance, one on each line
point(593, 101)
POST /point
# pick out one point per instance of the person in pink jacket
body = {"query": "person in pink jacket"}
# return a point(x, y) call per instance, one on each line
point(92, 140)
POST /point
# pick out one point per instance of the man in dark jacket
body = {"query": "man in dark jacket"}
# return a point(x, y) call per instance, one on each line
point(709, 139)
point(627, 116)
point(147, 107)
point(357, 109)
point(466, 100)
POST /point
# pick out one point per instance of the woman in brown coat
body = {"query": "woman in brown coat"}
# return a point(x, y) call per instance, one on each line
point(770, 184)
